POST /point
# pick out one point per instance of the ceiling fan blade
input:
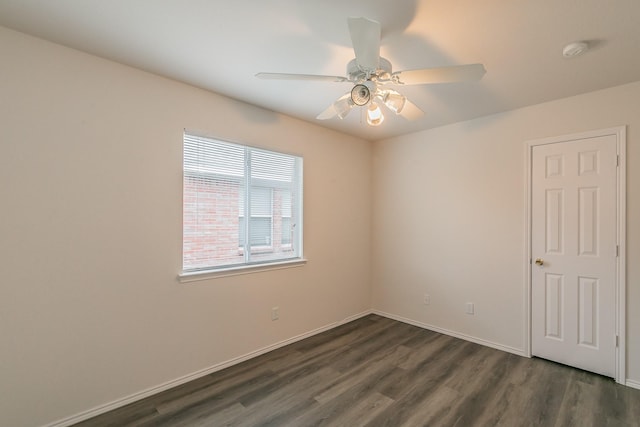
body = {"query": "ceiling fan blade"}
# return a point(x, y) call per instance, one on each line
point(327, 114)
point(459, 73)
point(411, 111)
point(365, 37)
point(308, 77)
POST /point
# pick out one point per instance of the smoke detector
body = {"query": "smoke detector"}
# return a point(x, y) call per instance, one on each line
point(574, 49)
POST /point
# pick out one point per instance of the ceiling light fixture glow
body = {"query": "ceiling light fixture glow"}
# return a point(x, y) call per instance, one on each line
point(374, 115)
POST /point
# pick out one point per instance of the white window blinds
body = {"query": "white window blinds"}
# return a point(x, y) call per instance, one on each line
point(242, 205)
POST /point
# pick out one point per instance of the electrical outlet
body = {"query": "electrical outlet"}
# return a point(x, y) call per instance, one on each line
point(275, 313)
point(470, 308)
point(427, 299)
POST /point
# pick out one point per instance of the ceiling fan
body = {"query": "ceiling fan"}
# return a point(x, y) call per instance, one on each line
point(372, 77)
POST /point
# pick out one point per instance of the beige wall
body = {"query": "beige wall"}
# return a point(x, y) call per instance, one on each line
point(90, 234)
point(90, 229)
point(449, 217)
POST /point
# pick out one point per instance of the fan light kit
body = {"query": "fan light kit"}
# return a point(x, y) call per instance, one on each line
point(372, 75)
point(360, 94)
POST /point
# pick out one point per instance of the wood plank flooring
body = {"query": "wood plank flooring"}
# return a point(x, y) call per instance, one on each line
point(379, 372)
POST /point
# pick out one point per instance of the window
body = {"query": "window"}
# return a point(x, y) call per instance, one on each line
point(286, 218)
point(224, 184)
point(261, 217)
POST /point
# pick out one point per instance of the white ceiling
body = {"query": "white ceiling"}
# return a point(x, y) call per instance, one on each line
point(220, 46)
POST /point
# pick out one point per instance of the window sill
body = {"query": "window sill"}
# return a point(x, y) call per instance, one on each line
point(257, 250)
point(194, 276)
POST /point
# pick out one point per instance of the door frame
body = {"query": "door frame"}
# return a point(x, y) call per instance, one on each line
point(620, 284)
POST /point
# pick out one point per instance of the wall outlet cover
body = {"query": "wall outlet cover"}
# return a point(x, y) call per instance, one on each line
point(470, 308)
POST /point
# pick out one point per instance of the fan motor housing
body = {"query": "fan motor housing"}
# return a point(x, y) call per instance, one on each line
point(356, 74)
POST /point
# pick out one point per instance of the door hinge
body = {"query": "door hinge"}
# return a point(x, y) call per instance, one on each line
point(617, 250)
point(617, 341)
point(617, 160)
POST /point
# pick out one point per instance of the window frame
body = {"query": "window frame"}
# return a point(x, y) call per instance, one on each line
point(296, 189)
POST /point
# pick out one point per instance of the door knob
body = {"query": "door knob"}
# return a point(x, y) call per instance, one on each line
point(539, 261)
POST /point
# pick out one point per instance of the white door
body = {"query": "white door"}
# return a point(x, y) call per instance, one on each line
point(573, 248)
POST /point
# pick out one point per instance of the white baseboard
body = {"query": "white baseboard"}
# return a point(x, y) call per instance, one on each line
point(633, 384)
point(518, 351)
point(195, 375)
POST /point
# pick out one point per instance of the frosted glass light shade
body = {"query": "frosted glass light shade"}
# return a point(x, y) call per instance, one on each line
point(343, 106)
point(394, 101)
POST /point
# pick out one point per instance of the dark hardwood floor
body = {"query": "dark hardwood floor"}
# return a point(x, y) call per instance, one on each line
point(380, 372)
